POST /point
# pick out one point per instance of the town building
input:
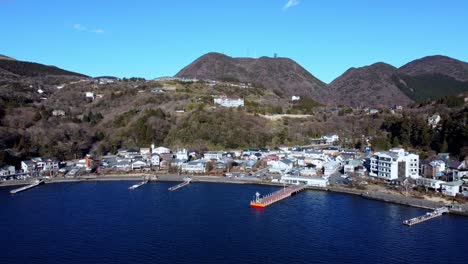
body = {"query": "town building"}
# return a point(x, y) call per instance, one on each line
point(394, 164)
point(213, 155)
point(451, 188)
point(331, 167)
point(308, 181)
point(196, 166)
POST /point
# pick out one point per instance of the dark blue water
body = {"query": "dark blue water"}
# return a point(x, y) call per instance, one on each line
point(212, 223)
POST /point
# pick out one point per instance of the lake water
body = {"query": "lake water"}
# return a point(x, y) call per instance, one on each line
point(104, 222)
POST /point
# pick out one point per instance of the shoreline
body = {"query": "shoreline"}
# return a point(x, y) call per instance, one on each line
point(371, 195)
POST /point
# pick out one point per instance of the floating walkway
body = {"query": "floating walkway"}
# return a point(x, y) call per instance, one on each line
point(276, 196)
point(428, 216)
point(180, 185)
point(27, 187)
point(133, 187)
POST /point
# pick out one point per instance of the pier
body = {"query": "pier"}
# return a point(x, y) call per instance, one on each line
point(133, 187)
point(180, 185)
point(276, 196)
point(27, 187)
point(428, 216)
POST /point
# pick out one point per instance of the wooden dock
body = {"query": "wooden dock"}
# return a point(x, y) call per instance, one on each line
point(428, 216)
point(276, 196)
point(27, 187)
point(180, 185)
point(133, 187)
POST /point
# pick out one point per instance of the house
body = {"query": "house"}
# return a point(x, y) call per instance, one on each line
point(434, 169)
point(139, 164)
point(229, 102)
point(160, 150)
point(464, 189)
point(331, 167)
point(451, 188)
point(331, 138)
point(317, 163)
point(459, 169)
point(331, 151)
point(90, 95)
point(281, 165)
point(7, 171)
point(196, 166)
point(220, 165)
point(157, 90)
point(373, 111)
point(249, 164)
point(213, 155)
point(58, 113)
point(308, 181)
point(308, 172)
point(155, 160)
point(295, 98)
point(182, 154)
point(433, 120)
point(145, 151)
point(27, 166)
point(429, 183)
point(351, 166)
point(39, 165)
point(394, 164)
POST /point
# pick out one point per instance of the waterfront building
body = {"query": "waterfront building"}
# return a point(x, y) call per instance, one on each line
point(394, 164)
point(429, 183)
point(7, 171)
point(39, 165)
point(451, 188)
point(308, 181)
point(196, 166)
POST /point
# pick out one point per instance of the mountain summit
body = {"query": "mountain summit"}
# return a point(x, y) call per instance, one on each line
point(281, 75)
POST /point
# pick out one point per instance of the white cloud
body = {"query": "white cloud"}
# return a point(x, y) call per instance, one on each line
point(80, 27)
point(290, 3)
point(98, 31)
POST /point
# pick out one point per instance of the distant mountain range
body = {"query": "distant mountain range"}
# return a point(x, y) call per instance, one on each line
point(12, 67)
point(281, 75)
point(379, 84)
point(376, 85)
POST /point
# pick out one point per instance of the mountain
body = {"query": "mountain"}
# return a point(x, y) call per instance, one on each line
point(370, 86)
point(3, 57)
point(437, 65)
point(433, 77)
point(381, 84)
point(280, 75)
point(31, 69)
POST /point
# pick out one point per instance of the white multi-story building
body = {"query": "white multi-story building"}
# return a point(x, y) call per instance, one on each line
point(394, 164)
point(229, 102)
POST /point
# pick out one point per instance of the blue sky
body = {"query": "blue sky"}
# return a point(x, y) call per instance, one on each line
point(157, 38)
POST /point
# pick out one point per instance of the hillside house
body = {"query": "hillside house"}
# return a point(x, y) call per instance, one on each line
point(229, 102)
point(433, 120)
